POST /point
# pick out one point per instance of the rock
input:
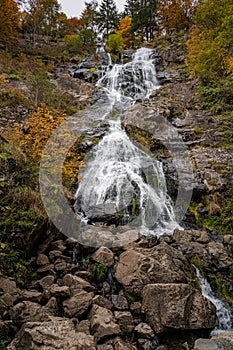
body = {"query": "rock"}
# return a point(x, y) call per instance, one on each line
point(42, 259)
point(119, 344)
point(120, 302)
point(59, 291)
point(28, 311)
point(102, 301)
point(104, 256)
point(145, 344)
point(54, 254)
point(76, 283)
point(46, 282)
point(32, 295)
point(163, 264)
point(177, 306)
point(78, 304)
point(125, 321)
point(103, 323)
point(84, 327)
point(220, 341)
point(144, 331)
point(135, 307)
point(9, 292)
point(54, 335)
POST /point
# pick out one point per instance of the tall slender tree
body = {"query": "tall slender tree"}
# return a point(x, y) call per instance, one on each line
point(107, 17)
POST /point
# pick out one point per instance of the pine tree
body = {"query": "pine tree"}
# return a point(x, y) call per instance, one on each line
point(143, 14)
point(107, 17)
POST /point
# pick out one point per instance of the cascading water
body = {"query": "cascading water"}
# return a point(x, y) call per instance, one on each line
point(121, 177)
point(223, 311)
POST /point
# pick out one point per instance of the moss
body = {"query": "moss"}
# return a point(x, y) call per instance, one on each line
point(3, 343)
point(196, 261)
point(219, 285)
point(100, 272)
point(131, 299)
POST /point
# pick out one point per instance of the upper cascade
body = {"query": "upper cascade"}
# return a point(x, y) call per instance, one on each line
point(133, 81)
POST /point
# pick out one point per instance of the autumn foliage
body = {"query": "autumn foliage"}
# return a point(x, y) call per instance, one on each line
point(35, 133)
point(210, 47)
point(125, 30)
point(9, 21)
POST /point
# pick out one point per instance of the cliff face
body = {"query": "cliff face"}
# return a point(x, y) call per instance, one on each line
point(144, 295)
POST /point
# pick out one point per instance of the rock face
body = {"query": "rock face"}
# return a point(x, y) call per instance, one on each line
point(54, 335)
point(177, 306)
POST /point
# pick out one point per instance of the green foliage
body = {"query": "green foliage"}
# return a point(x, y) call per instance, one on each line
point(196, 261)
point(115, 43)
point(107, 17)
point(210, 44)
point(73, 43)
point(131, 299)
point(219, 285)
point(100, 272)
point(3, 343)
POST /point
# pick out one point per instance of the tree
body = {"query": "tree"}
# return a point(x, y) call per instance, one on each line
point(107, 17)
point(210, 47)
point(89, 15)
point(9, 21)
point(125, 29)
point(143, 14)
point(42, 18)
point(175, 15)
point(115, 44)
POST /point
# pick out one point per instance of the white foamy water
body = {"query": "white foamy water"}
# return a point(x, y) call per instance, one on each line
point(224, 312)
point(120, 174)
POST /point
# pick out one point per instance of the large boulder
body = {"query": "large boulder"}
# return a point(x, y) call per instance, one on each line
point(54, 335)
point(138, 267)
point(177, 306)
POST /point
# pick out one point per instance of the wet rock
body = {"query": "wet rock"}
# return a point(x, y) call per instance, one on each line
point(144, 331)
point(125, 321)
point(104, 256)
point(103, 323)
point(77, 305)
point(177, 306)
point(56, 334)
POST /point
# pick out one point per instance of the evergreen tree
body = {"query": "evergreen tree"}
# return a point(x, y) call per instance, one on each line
point(143, 14)
point(107, 17)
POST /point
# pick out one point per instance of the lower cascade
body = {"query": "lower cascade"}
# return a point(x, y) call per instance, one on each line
point(224, 313)
point(123, 184)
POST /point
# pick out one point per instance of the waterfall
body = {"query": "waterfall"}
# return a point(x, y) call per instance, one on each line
point(121, 179)
point(223, 310)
